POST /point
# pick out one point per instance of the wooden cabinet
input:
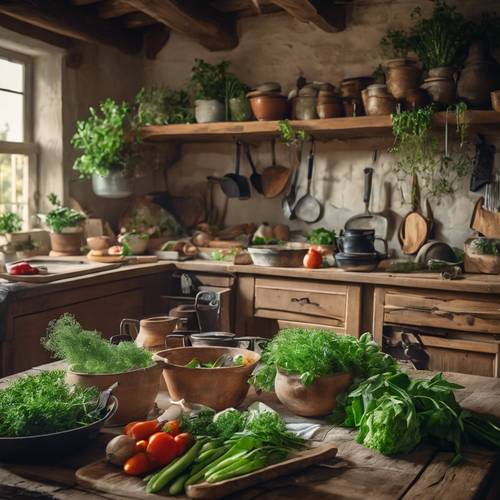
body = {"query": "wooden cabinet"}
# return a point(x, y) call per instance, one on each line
point(309, 303)
point(460, 332)
point(98, 302)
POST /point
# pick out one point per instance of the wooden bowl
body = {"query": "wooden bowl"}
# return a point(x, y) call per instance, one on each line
point(136, 391)
point(99, 242)
point(268, 107)
point(217, 388)
point(316, 400)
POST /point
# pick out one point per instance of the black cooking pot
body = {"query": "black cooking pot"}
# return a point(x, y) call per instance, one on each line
point(359, 241)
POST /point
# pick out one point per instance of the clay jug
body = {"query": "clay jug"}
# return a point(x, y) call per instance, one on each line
point(149, 333)
point(402, 76)
point(480, 76)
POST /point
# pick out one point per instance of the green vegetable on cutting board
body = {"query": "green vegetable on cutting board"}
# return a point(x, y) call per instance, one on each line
point(322, 236)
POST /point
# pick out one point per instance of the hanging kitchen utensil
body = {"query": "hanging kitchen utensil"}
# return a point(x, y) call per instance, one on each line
point(415, 228)
point(485, 222)
point(482, 167)
point(255, 178)
point(369, 220)
point(234, 185)
point(308, 208)
point(288, 202)
point(274, 178)
point(492, 194)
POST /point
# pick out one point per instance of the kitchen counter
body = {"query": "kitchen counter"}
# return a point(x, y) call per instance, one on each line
point(355, 473)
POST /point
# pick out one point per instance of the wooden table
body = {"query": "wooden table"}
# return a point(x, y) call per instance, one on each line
point(356, 473)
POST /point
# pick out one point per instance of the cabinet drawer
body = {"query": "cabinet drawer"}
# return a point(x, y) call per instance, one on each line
point(439, 311)
point(301, 301)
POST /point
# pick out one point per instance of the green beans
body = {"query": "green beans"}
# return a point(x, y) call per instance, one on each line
point(171, 471)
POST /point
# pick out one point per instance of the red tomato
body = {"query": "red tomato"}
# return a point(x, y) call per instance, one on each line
point(183, 442)
point(312, 259)
point(126, 429)
point(138, 464)
point(161, 448)
point(141, 445)
point(172, 427)
point(142, 430)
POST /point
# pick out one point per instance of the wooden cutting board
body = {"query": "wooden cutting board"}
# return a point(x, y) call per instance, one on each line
point(102, 476)
point(133, 259)
point(59, 268)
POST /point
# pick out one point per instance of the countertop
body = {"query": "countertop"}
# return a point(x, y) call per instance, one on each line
point(476, 283)
point(355, 473)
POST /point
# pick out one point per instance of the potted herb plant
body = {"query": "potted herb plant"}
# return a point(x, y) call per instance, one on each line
point(66, 227)
point(161, 106)
point(209, 84)
point(237, 105)
point(95, 362)
point(402, 72)
point(440, 43)
point(308, 369)
point(107, 142)
point(10, 223)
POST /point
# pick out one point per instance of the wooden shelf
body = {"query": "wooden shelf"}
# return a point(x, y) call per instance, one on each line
point(374, 128)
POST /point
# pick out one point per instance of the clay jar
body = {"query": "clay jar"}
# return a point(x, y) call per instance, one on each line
point(329, 104)
point(150, 333)
point(378, 101)
point(304, 104)
point(479, 77)
point(268, 105)
point(315, 400)
point(402, 75)
point(441, 86)
point(350, 90)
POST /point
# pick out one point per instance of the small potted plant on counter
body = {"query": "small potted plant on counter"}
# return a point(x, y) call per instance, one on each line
point(209, 84)
point(10, 224)
point(66, 228)
point(107, 141)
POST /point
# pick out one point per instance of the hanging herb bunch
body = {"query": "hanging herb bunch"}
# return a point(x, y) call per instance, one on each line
point(419, 153)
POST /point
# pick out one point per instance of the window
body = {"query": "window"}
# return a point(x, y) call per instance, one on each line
point(17, 152)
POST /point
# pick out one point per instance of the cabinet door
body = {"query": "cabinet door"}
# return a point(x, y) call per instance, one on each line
point(23, 350)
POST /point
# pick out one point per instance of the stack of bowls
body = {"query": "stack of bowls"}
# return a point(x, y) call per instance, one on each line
point(267, 102)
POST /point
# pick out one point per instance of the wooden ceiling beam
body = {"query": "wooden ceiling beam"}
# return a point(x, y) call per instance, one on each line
point(51, 15)
point(35, 32)
point(113, 8)
point(325, 14)
point(197, 20)
point(137, 20)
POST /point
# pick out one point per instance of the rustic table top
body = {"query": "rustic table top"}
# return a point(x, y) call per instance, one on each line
point(356, 472)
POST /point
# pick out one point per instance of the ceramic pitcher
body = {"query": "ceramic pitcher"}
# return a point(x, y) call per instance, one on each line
point(149, 333)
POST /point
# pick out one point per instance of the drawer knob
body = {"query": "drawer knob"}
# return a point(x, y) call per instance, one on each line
point(303, 301)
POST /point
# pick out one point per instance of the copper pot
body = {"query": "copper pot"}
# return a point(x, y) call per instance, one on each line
point(315, 400)
point(402, 75)
point(268, 106)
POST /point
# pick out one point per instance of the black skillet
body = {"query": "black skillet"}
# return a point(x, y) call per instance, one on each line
point(234, 185)
point(255, 178)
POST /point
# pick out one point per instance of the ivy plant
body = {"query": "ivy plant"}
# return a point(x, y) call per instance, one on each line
point(61, 217)
point(105, 138)
point(10, 222)
point(291, 135)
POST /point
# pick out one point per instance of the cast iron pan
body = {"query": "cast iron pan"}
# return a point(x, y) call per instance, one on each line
point(255, 178)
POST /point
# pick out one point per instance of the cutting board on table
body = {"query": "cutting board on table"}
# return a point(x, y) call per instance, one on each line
point(132, 259)
point(59, 268)
point(105, 477)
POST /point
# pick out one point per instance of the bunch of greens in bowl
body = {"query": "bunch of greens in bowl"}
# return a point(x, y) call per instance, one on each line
point(86, 351)
point(61, 217)
point(314, 353)
point(43, 404)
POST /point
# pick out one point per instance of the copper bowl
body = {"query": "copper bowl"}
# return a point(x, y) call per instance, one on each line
point(268, 106)
point(217, 388)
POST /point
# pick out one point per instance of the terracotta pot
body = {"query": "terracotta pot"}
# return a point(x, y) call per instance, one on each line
point(351, 92)
point(378, 101)
point(269, 106)
point(136, 391)
point(66, 243)
point(443, 72)
point(479, 77)
point(402, 75)
point(99, 242)
point(218, 388)
point(442, 89)
point(304, 107)
point(332, 109)
point(316, 400)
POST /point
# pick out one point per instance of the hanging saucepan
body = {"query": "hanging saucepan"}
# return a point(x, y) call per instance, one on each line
point(234, 185)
